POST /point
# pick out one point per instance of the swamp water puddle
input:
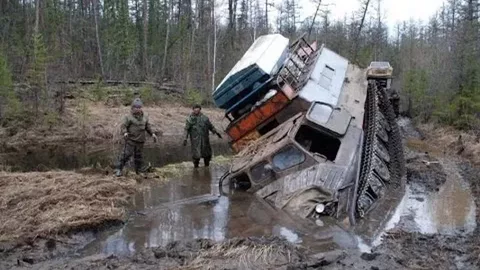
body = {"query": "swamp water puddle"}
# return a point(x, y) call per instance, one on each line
point(190, 207)
point(448, 211)
point(76, 156)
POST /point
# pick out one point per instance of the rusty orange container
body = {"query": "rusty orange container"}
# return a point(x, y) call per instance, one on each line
point(250, 121)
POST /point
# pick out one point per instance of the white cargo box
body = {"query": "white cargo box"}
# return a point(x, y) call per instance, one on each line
point(268, 52)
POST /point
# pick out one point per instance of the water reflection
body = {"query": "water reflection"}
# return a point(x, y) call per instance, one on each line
point(75, 156)
point(447, 211)
point(450, 210)
point(197, 212)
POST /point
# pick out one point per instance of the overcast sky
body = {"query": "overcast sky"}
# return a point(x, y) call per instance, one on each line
point(393, 10)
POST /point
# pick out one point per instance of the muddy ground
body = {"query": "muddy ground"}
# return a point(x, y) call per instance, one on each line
point(403, 246)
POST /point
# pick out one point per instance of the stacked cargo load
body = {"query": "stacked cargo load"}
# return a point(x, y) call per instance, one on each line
point(314, 135)
point(261, 85)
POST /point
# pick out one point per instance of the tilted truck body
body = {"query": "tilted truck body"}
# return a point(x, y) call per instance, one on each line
point(322, 140)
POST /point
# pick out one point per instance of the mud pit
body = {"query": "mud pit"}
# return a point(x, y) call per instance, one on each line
point(433, 227)
point(191, 208)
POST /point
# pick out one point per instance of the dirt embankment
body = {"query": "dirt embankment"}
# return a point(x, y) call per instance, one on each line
point(96, 123)
point(449, 141)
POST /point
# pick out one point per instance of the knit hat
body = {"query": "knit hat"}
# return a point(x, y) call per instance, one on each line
point(137, 103)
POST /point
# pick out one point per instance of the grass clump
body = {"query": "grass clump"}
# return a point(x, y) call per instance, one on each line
point(44, 204)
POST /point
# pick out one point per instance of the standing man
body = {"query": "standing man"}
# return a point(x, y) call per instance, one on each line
point(197, 127)
point(134, 126)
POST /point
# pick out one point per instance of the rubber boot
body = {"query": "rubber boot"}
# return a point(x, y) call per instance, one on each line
point(207, 161)
point(196, 162)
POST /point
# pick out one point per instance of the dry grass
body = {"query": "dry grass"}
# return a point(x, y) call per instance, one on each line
point(244, 256)
point(236, 253)
point(42, 204)
point(168, 118)
point(96, 122)
point(178, 169)
point(451, 141)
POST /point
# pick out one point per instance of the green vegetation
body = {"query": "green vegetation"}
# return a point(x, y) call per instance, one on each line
point(147, 95)
point(99, 91)
point(127, 95)
point(10, 107)
point(37, 75)
point(194, 97)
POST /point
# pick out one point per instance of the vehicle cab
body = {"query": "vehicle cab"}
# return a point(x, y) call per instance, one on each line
point(323, 134)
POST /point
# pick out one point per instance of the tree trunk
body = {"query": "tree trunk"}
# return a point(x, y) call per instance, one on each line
point(97, 35)
point(232, 10)
point(214, 46)
point(145, 36)
point(167, 37)
point(190, 68)
point(36, 30)
point(313, 20)
point(357, 38)
point(266, 15)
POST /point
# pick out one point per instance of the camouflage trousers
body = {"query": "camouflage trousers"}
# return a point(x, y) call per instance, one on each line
point(130, 149)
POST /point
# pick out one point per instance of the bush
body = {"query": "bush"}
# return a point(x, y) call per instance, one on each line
point(127, 96)
point(194, 97)
point(99, 91)
point(51, 119)
point(147, 95)
point(10, 107)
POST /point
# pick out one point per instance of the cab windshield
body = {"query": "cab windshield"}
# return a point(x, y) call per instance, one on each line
point(288, 157)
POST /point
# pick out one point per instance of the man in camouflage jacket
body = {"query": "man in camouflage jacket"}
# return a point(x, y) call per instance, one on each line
point(134, 126)
point(197, 127)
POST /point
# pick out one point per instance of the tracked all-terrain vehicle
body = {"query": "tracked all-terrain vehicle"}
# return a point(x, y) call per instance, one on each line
point(314, 134)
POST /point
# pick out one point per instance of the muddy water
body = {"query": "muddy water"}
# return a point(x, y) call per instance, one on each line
point(191, 207)
point(448, 211)
point(70, 157)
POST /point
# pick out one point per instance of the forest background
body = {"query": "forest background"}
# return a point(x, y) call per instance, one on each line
point(188, 46)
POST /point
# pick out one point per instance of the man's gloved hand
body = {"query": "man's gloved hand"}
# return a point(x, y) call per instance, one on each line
point(219, 136)
point(125, 135)
point(185, 142)
point(155, 139)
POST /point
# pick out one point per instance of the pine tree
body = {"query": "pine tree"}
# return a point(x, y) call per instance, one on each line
point(9, 103)
point(37, 75)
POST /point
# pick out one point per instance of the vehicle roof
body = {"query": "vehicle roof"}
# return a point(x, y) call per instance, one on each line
point(266, 52)
point(379, 64)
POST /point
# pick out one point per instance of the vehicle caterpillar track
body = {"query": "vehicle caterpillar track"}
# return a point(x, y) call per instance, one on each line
point(382, 154)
